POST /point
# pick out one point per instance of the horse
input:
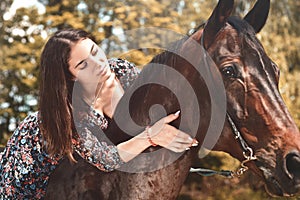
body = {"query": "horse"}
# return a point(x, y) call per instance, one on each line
point(256, 127)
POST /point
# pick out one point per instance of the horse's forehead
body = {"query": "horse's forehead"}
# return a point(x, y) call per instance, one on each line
point(231, 42)
point(227, 45)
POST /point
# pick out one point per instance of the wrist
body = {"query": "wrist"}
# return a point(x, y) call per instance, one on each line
point(148, 135)
point(133, 147)
point(142, 137)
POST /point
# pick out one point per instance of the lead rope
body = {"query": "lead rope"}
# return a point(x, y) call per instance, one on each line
point(247, 153)
point(210, 172)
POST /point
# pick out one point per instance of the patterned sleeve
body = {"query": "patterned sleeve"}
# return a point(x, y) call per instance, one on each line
point(125, 71)
point(24, 165)
point(91, 146)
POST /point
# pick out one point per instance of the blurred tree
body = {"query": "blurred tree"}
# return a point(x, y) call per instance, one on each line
point(127, 34)
point(282, 42)
point(4, 7)
point(20, 45)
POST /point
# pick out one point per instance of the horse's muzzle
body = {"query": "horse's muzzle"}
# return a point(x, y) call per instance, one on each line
point(282, 178)
point(288, 183)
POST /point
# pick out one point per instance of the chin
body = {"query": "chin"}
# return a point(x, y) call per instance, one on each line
point(279, 187)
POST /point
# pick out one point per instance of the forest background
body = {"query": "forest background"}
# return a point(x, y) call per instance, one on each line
point(23, 34)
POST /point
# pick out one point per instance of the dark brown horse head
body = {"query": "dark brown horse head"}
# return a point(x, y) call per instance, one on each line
point(253, 100)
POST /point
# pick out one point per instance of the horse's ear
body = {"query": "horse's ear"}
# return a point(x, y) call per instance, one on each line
point(216, 21)
point(257, 17)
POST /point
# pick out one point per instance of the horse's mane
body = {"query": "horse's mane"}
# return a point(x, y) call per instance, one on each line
point(240, 25)
point(169, 52)
point(174, 47)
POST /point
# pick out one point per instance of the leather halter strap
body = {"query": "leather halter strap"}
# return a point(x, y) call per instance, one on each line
point(247, 150)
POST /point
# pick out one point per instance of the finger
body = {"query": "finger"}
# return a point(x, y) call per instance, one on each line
point(173, 148)
point(171, 117)
point(184, 141)
point(177, 147)
point(187, 142)
point(195, 143)
point(109, 82)
point(184, 136)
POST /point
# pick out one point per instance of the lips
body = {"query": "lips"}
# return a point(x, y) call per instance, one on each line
point(273, 186)
point(102, 69)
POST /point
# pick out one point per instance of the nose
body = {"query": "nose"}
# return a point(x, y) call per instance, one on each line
point(292, 166)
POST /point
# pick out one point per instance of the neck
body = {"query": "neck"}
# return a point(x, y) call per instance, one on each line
point(106, 97)
point(90, 94)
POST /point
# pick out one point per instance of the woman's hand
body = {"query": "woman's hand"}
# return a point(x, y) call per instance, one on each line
point(162, 134)
point(167, 136)
point(108, 95)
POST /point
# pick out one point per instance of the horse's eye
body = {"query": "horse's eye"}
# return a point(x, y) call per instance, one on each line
point(229, 71)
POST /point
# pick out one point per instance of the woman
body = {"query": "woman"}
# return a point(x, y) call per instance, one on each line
point(71, 63)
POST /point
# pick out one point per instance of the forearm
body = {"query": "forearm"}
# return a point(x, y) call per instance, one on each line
point(133, 147)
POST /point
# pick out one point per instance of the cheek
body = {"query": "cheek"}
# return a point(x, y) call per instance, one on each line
point(87, 77)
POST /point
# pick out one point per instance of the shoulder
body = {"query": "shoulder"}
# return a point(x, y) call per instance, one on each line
point(90, 118)
point(30, 122)
point(125, 71)
point(121, 66)
point(27, 132)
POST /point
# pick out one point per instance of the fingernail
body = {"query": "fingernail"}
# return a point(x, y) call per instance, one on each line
point(177, 113)
point(194, 144)
point(188, 148)
point(191, 139)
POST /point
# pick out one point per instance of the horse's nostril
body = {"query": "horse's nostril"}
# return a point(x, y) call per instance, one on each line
point(293, 165)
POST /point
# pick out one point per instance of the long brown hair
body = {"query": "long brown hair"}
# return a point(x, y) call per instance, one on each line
point(55, 98)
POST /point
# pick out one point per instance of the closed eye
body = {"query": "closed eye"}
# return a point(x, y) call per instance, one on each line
point(83, 65)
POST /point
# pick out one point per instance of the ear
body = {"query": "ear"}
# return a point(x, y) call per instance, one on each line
point(257, 17)
point(216, 21)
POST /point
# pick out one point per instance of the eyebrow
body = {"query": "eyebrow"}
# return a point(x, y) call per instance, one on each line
point(84, 59)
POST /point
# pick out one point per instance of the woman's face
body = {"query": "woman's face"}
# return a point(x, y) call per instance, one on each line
point(88, 63)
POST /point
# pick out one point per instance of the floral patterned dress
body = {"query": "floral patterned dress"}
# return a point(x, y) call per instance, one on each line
point(25, 166)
